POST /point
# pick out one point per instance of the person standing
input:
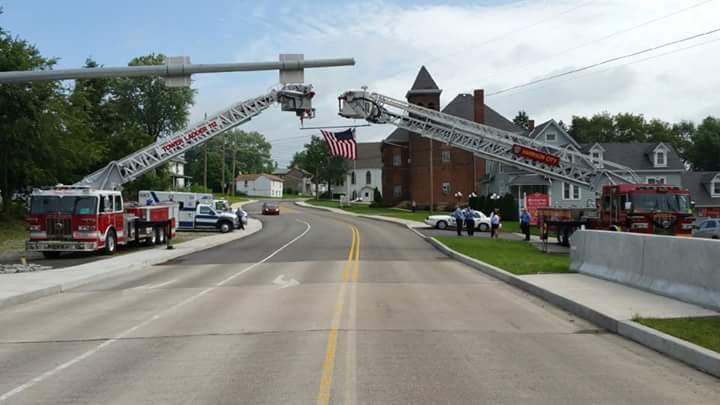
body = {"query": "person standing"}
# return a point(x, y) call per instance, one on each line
point(413, 206)
point(241, 217)
point(459, 219)
point(495, 224)
point(525, 223)
point(469, 221)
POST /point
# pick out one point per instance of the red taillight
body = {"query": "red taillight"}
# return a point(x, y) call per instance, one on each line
point(89, 221)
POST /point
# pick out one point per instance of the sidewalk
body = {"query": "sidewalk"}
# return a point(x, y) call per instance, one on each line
point(609, 305)
point(22, 287)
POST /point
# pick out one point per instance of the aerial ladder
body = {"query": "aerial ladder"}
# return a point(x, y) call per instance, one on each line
point(625, 203)
point(490, 143)
point(295, 98)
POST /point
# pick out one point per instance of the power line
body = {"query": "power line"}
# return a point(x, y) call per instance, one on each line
point(498, 37)
point(633, 28)
point(616, 33)
point(632, 62)
point(604, 62)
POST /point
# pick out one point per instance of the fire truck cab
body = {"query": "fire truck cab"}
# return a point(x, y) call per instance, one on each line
point(81, 219)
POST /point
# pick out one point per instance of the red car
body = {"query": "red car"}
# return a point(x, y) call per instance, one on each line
point(270, 209)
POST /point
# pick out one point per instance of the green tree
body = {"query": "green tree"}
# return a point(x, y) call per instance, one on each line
point(704, 151)
point(628, 127)
point(522, 120)
point(316, 159)
point(252, 155)
point(253, 152)
point(36, 145)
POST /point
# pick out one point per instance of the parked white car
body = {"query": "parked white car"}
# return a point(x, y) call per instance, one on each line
point(444, 221)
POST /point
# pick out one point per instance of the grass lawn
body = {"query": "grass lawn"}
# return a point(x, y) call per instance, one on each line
point(13, 233)
point(418, 216)
point(516, 257)
point(514, 226)
point(703, 332)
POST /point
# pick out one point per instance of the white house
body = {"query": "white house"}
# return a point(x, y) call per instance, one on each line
point(177, 173)
point(365, 173)
point(261, 185)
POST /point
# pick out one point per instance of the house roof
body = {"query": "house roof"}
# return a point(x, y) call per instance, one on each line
point(538, 129)
point(284, 172)
point(698, 184)
point(253, 177)
point(463, 106)
point(637, 156)
point(399, 135)
point(369, 156)
point(529, 180)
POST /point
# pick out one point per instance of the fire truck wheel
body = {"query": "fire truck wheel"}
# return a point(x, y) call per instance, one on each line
point(110, 243)
point(51, 255)
point(225, 227)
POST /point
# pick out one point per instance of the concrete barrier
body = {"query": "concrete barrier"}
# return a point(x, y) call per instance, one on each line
point(686, 269)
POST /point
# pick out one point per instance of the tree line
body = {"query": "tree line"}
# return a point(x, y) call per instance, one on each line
point(697, 144)
point(58, 132)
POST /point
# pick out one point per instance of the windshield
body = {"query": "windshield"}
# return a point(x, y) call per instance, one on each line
point(63, 205)
point(660, 202)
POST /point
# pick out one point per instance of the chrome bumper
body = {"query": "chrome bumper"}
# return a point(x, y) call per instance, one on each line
point(61, 246)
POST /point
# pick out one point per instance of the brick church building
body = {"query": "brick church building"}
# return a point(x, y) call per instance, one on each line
point(406, 156)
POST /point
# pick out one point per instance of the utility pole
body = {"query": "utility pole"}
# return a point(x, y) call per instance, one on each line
point(222, 181)
point(206, 153)
point(432, 194)
point(234, 166)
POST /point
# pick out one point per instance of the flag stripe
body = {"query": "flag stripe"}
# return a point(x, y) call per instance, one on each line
point(341, 144)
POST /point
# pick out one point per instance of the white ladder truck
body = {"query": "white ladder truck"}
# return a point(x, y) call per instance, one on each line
point(91, 214)
point(624, 203)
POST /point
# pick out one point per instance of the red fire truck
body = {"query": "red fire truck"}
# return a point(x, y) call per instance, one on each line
point(642, 208)
point(91, 214)
point(76, 218)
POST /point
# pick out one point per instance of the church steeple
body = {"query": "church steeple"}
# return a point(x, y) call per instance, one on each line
point(424, 92)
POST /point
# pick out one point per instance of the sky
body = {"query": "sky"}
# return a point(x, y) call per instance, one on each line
point(465, 45)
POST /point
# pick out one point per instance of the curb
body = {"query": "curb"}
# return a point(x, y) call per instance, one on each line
point(119, 269)
point(689, 353)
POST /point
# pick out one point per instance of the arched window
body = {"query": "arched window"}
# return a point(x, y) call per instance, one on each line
point(368, 177)
point(352, 178)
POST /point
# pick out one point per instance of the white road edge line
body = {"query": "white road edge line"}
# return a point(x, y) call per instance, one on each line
point(151, 286)
point(69, 363)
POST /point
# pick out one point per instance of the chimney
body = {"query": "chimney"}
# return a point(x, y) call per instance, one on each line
point(479, 106)
point(531, 125)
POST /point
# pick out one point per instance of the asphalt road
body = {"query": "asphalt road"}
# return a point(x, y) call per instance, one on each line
point(289, 315)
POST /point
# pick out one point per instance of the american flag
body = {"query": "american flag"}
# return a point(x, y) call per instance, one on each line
point(341, 143)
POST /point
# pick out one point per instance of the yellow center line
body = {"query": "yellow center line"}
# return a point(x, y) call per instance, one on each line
point(329, 363)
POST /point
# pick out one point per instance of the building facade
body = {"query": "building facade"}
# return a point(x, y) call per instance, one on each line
point(295, 180)
point(365, 173)
point(260, 185)
point(430, 172)
point(704, 190)
point(654, 163)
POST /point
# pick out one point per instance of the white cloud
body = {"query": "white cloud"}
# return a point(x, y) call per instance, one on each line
point(491, 47)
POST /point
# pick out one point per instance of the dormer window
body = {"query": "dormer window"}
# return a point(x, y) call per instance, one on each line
point(715, 187)
point(660, 158)
point(597, 156)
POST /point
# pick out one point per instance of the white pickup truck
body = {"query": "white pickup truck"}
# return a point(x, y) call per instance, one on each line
point(205, 217)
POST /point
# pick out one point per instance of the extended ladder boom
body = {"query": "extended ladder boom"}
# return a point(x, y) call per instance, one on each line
point(292, 97)
point(490, 143)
